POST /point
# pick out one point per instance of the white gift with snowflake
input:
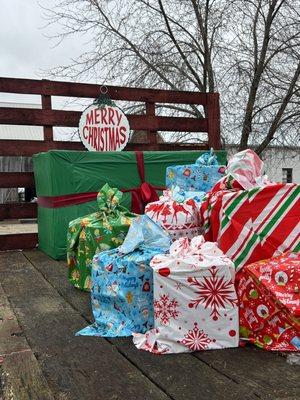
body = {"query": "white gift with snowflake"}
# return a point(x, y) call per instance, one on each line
point(195, 303)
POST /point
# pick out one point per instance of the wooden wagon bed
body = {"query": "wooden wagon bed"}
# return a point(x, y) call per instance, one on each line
point(40, 358)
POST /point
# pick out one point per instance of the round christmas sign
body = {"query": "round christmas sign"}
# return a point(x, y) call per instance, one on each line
point(104, 128)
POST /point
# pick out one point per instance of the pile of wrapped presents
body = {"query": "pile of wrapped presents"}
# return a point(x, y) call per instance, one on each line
point(207, 259)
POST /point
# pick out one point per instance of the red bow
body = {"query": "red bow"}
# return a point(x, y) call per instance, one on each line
point(140, 196)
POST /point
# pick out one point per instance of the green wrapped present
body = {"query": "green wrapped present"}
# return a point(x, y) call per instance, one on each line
point(67, 183)
point(102, 230)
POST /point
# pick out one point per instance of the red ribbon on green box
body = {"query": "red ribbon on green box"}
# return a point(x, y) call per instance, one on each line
point(140, 196)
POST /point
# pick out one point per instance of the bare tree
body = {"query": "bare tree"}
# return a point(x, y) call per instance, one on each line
point(248, 50)
point(261, 85)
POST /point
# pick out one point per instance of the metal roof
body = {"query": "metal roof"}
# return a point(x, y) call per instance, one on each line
point(21, 132)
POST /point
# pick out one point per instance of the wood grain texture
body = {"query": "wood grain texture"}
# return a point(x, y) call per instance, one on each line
point(30, 147)
point(17, 241)
point(40, 117)
point(266, 373)
point(18, 210)
point(85, 368)
point(47, 105)
point(150, 110)
point(181, 376)
point(20, 375)
point(87, 90)
point(251, 373)
point(213, 117)
point(16, 179)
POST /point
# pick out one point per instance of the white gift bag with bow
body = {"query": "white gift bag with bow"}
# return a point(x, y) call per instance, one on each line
point(195, 303)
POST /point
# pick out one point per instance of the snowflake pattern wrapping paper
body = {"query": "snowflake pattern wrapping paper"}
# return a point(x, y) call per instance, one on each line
point(177, 213)
point(200, 176)
point(195, 303)
point(269, 294)
point(122, 289)
point(252, 225)
point(96, 232)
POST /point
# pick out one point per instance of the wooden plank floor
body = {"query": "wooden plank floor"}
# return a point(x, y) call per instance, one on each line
point(40, 358)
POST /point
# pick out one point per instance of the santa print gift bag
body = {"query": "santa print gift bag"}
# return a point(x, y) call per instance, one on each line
point(122, 289)
point(268, 291)
point(195, 303)
point(177, 212)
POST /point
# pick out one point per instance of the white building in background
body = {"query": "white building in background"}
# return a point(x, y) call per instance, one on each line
point(21, 132)
point(282, 164)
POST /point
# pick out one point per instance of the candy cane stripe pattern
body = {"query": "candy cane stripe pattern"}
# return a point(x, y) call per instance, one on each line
point(255, 224)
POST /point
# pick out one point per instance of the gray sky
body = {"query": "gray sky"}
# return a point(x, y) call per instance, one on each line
point(25, 51)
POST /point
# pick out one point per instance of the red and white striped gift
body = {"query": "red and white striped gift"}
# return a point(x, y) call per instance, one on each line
point(251, 225)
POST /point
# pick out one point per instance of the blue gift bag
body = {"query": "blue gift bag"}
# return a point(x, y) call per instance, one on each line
point(122, 282)
point(200, 176)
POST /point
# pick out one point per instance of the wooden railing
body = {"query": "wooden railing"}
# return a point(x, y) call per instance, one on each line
point(49, 118)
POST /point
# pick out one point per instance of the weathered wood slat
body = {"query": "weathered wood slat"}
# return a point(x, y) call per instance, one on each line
point(180, 376)
point(28, 148)
point(71, 89)
point(213, 117)
point(12, 338)
point(76, 367)
point(29, 116)
point(267, 373)
point(20, 374)
point(16, 179)
point(150, 110)
point(47, 105)
point(18, 210)
point(18, 241)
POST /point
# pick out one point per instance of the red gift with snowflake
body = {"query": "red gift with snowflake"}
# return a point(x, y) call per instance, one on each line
point(195, 302)
point(269, 295)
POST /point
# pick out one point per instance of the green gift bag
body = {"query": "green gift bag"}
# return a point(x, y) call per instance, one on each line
point(94, 233)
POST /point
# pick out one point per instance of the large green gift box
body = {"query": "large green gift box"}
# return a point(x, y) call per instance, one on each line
point(67, 183)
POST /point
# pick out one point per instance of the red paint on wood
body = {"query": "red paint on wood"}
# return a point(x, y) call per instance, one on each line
point(29, 116)
point(150, 110)
point(18, 210)
point(46, 105)
point(213, 117)
point(87, 90)
point(18, 241)
point(30, 147)
point(16, 179)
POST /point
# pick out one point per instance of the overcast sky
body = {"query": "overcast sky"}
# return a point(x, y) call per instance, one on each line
point(26, 52)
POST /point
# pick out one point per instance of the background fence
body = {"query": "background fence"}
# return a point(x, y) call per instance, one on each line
point(47, 117)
